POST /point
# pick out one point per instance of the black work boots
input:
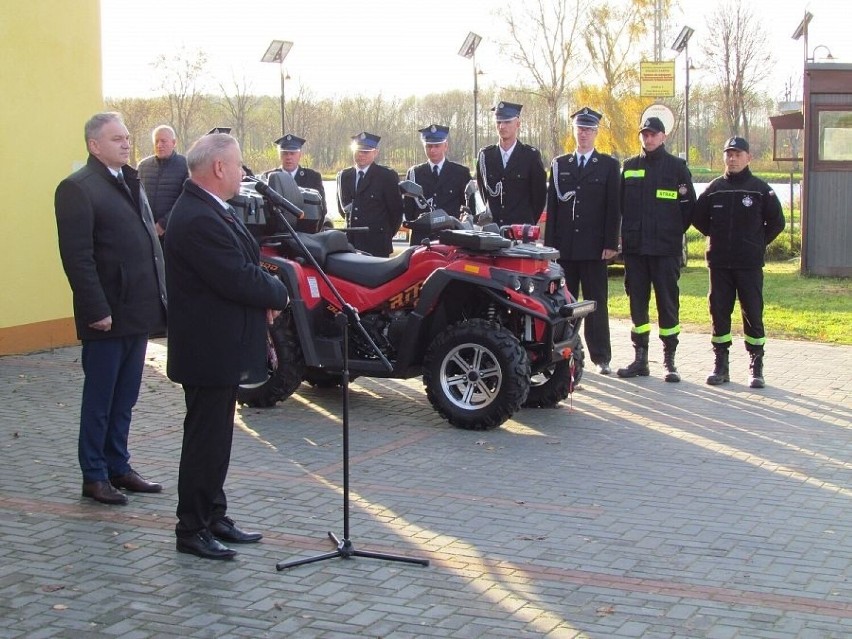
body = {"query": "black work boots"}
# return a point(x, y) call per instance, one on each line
point(755, 368)
point(720, 373)
point(639, 366)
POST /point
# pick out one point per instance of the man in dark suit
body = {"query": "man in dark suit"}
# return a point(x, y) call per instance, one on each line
point(583, 216)
point(217, 336)
point(290, 151)
point(510, 175)
point(114, 263)
point(368, 195)
point(443, 181)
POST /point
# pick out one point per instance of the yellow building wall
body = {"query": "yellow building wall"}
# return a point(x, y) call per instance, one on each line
point(50, 74)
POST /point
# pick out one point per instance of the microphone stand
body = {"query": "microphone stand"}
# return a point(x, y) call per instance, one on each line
point(347, 318)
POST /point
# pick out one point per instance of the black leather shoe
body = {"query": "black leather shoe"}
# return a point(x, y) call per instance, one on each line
point(226, 530)
point(604, 368)
point(203, 545)
point(134, 482)
point(103, 492)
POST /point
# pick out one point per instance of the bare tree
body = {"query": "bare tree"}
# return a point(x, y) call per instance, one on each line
point(239, 105)
point(182, 77)
point(738, 55)
point(544, 40)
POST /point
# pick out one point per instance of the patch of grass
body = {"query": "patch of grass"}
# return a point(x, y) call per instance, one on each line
point(796, 307)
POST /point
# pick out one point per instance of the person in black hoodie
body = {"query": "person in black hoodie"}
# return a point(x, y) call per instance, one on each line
point(740, 215)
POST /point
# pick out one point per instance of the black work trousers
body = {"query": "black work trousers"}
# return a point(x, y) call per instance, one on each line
point(208, 431)
point(727, 285)
point(590, 278)
point(662, 272)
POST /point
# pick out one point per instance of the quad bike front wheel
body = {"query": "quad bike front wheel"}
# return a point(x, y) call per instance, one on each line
point(553, 384)
point(284, 364)
point(476, 374)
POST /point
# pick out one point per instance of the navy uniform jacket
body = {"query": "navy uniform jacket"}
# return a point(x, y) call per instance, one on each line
point(447, 192)
point(110, 252)
point(740, 215)
point(377, 204)
point(309, 179)
point(588, 221)
point(657, 199)
point(220, 294)
point(524, 184)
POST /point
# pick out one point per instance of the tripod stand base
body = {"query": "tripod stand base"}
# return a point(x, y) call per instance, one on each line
point(346, 550)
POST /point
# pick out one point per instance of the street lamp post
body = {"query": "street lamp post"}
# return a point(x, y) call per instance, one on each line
point(681, 44)
point(276, 52)
point(468, 50)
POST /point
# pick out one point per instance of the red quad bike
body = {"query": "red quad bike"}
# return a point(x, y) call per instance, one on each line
point(484, 318)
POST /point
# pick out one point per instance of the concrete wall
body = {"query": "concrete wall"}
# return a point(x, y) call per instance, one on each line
point(50, 71)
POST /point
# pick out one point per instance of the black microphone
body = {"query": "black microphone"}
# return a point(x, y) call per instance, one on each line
point(267, 191)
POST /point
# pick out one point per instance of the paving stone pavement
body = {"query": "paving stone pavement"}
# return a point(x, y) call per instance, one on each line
point(635, 509)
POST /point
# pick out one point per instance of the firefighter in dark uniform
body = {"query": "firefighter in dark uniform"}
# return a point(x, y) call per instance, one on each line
point(290, 152)
point(657, 199)
point(740, 215)
point(368, 195)
point(583, 216)
point(510, 175)
point(443, 181)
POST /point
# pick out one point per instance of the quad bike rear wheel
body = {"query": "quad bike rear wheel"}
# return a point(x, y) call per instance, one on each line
point(553, 384)
point(476, 374)
point(285, 366)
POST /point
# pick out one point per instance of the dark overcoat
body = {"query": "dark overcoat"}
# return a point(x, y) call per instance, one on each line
point(110, 253)
point(217, 320)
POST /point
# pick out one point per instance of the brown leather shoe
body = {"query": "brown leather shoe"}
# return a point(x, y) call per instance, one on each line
point(103, 492)
point(134, 482)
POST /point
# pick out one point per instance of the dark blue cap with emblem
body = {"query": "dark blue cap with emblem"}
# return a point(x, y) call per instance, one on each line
point(653, 124)
point(219, 129)
point(434, 134)
point(365, 141)
point(587, 118)
point(505, 111)
point(289, 142)
point(738, 143)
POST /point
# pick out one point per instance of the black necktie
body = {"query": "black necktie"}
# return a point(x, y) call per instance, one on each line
point(435, 171)
point(358, 181)
point(582, 163)
point(123, 184)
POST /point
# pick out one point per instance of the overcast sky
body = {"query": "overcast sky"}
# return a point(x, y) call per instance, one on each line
point(396, 48)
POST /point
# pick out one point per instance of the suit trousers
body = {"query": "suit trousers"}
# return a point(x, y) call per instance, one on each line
point(113, 374)
point(590, 277)
point(663, 272)
point(208, 431)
